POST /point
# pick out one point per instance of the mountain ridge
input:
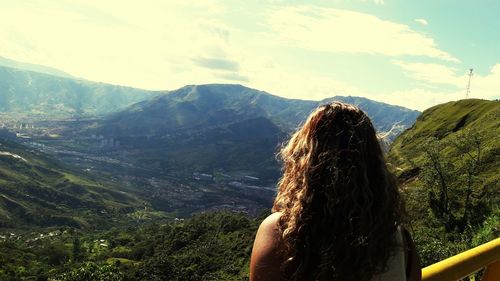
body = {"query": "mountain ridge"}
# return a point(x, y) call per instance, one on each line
point(40, 94)
point(159, 128)
point(33, 67)
point(241, 100)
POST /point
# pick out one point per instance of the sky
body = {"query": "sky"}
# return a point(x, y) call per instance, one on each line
point(411, 53)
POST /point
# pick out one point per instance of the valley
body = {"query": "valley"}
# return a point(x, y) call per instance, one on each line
point(196, 149)
point(249, 140)
point(142, 189)
point(174, 192)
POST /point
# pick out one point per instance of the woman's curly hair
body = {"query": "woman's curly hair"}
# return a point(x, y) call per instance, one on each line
point(340, 205)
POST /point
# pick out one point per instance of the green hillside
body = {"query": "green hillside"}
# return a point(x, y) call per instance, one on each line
point(447, 163)
point(210, 246)
point(445, 123)
point(36, 190)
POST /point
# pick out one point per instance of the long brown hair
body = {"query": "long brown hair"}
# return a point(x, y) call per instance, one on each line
point(340, 204)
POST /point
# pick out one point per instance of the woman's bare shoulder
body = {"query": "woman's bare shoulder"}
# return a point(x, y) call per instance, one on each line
point(268, 235)
point(271, 222)
point(266, 259)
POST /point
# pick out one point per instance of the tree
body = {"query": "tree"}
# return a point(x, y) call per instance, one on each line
point(451, 174)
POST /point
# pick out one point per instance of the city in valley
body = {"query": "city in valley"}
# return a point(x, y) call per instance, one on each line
point(182, 192)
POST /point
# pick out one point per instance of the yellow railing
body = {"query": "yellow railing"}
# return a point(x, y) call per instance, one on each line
point(466, 263)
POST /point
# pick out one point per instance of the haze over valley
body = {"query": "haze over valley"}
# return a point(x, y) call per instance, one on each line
point(198, 148)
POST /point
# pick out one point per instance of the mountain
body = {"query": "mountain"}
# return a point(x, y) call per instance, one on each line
point(242, 146)
point(158, 146)
point(40, 94)
point(190, 128)
point(197, 106)
point(36, 190)
point(33, 67)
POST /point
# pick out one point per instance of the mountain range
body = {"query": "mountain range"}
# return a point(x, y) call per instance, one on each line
point(191, 127)
point(45, 95)
point(214, 104)
point(187, 127)
point(39, 90)
point(154, 138)
point(33, 67)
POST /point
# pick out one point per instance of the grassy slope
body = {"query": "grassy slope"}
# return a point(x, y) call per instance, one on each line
point(38, 191)
point(445, 122)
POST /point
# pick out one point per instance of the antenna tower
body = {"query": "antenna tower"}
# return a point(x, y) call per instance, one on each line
point(468, 83)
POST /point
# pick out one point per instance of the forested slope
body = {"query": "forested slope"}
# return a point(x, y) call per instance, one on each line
point(447, 163)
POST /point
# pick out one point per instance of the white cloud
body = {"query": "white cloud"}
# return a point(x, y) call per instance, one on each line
point(157, 46)
point(421, 21)
point(488, 86)
point(418, 98)
point(343, 31)
point(150, 46)
point(482, 86)
point(166, 45)
point(431, 72)
point(268, 75)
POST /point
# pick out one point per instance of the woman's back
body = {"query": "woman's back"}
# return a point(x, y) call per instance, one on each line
point(267, 255)
point(337, 209)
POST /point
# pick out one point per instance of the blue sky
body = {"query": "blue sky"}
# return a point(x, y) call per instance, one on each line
point(410, 53)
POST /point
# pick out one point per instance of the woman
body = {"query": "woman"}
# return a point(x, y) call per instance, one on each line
point(337, 214)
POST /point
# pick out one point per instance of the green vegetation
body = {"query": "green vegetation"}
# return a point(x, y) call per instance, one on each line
point(448, 165)
point(212, 246)
point(36, 190)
